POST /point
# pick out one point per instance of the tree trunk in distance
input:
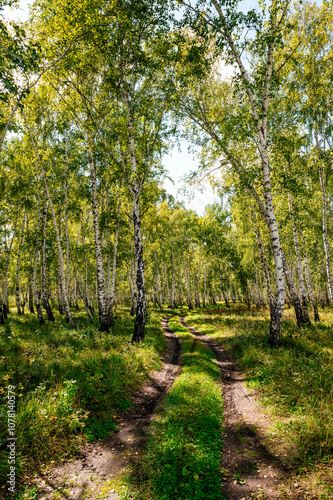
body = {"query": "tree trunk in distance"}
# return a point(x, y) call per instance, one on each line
point(159, 287)
point(293, 294)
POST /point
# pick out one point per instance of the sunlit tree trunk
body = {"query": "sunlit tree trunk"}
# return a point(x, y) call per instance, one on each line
point(18, 268)
point(322, 177)
point(270, 295)
point(188, 286)
point(292, 291)
point(167, 289)
point(173, 285)
point(308, 280)
point(135, 187)
point(66, 230)
point(34, 275)
point(105, 321)
point(221, 276)
point(140, 319)
point(114, 261)
point(158, 278)
point(44, 294)
point(204, 295)
point(299, 265)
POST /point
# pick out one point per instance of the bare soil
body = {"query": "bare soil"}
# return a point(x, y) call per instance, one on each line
point(94, 474)
point(250, 469)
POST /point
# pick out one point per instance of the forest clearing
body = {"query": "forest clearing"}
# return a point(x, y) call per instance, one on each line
point(149, 350)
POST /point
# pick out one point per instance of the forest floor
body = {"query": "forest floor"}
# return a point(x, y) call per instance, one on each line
point(275, 432)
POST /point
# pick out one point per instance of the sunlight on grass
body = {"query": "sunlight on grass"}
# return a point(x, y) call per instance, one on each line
point(183, 452)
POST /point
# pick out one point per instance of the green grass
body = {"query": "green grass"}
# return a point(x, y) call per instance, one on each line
point(182, 456)
point(69, 384)
point(295, 380)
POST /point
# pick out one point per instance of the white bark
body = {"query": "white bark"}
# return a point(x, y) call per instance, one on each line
point(104, 318)
point(322, 177)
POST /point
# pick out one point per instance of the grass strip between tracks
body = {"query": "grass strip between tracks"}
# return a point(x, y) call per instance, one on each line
point(183, 451)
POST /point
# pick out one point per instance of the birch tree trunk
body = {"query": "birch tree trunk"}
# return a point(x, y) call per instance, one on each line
point(173, 285)
point(322, 177)
point(44, 294)
point(270, 295)
point(299, 265)
point(18, 265)
point(108, 251)
point(31, 298)
point(167, 289)
point(140, 319)
point(204, 295)
point(135, 187)
point(260, 117)
point(105, 321)
point(293, 294)
point(308, 280)
point(132, 294)
point(34, 275)
point(158, 277)
point(7, 260)
point(188, 287)
point(221, 277)
point(114, 261)
point(66, 230)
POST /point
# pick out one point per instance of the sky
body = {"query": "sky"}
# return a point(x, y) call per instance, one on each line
point(178, 163)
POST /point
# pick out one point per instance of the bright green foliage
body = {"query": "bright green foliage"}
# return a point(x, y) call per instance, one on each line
point(183, 452)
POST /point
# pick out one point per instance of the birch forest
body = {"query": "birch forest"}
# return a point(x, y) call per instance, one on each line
point(149, 351)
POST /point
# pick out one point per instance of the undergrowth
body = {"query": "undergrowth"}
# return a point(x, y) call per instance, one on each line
point(182, 456)
point(69, 384)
